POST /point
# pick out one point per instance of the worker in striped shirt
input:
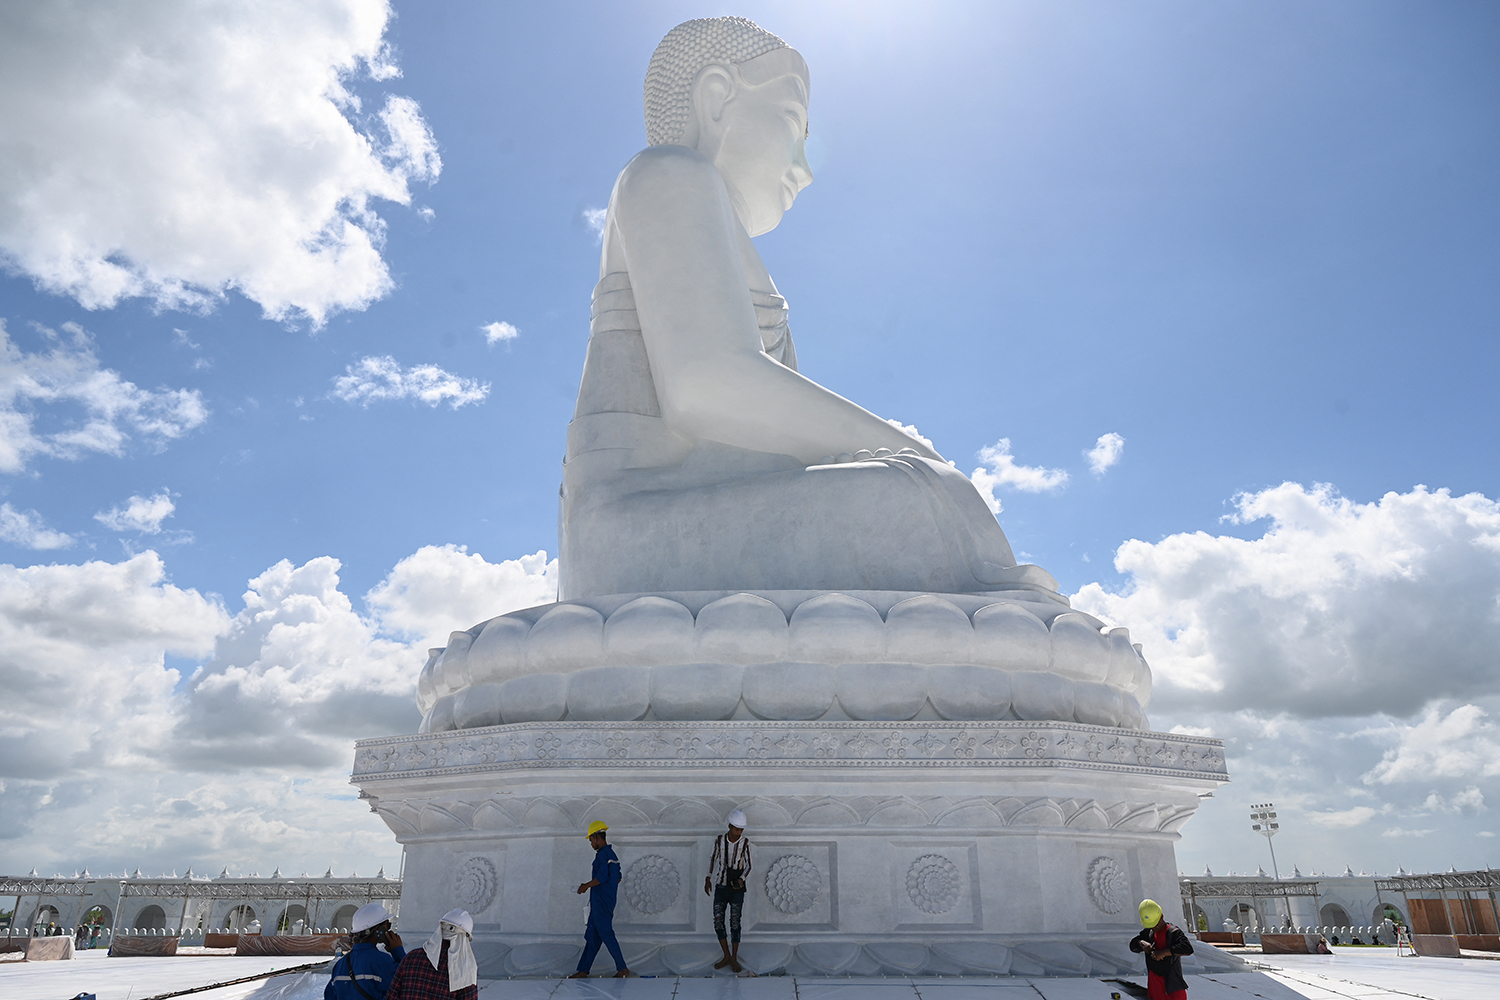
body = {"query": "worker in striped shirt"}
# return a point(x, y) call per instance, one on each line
point(728, 867)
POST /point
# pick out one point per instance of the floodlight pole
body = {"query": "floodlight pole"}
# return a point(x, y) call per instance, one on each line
point(1263, 822)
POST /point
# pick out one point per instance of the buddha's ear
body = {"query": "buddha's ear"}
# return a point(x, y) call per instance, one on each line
point(713, 88)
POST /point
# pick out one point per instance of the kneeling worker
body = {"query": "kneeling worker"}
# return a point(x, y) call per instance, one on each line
point(366, 972)
point(601, 889)
point(1164, 945)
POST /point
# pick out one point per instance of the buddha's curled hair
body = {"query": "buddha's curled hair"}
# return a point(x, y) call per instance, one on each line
point(676, 62)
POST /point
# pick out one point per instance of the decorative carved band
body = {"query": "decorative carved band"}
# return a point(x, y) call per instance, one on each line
point(595, 745)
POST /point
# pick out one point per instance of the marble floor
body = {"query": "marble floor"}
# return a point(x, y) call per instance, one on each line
point(1378, 974)
point(137, 978)
point(1363, 973)
point(1240, 986)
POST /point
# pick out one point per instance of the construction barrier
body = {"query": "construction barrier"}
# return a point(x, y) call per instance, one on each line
point(1435, 945)
point(49, 949)
point(289, 944)
point(142, 946)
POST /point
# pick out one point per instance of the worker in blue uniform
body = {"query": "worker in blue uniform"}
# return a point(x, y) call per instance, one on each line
point(601, 889)
point(366, 972)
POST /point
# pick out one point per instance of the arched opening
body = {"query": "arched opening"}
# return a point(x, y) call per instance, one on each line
point(1244, 914)
point(1334, 915)
point(45, 920)
point(1386, 911)
point(239, 918)
point(343, 919)
point(151, 918)
point(94, 923)
point(293, 920)
point(1196, 919)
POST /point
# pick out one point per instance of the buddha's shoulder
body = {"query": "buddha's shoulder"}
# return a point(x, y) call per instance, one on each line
point(669, 168)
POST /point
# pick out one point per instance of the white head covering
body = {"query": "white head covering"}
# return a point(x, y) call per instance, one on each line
point(368, 916)
point(737, 818)
point(457, 928)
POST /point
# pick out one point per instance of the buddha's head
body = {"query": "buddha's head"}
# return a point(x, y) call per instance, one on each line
point(738, 94)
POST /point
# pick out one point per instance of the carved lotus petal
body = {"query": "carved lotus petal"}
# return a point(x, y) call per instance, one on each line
point(1109, 886)
point(793, 883)
point(476, 883)
point(652, 884)
point(933, 883)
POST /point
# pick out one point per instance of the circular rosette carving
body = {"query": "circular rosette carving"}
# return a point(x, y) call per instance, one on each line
point(652, 884)
point(793, 883)
point(476, 883)
point(933, 883)
point(1109, 887)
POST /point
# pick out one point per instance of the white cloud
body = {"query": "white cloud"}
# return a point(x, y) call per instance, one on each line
point(1105, 452)
point(175, 150)
point(1338, 608)
point(143, 514)
point(1471, 799)
point(1461, 744)
point(1341, 819)
point(82, 652)
point(911, 432)
point(298, 668)
point(595, 218)
point(1001, 471)
point(372, 379)
point(66, 377)
point(441, 589)
point(495, 333)
point(1345, 652)
point(411, 142)
point(246, 761)
point(1311, 768)
point(26, 528)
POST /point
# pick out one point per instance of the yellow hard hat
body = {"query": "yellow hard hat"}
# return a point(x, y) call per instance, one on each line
point(599, 826)
point(1150, 913)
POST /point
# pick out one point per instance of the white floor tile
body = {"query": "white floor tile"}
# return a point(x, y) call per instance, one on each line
point(809, 988)
point(119, 978)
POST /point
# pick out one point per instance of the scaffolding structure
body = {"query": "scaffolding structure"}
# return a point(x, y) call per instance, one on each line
point(1464, 905)
point(22, 886)
point(1253, 889)
point(31, 893)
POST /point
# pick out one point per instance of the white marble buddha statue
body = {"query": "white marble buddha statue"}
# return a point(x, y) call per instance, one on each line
point(699, 458)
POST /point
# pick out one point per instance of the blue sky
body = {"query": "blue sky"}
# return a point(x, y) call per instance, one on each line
point(1257, 241)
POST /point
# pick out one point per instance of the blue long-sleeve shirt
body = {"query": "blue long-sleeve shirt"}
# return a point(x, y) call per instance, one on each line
point(373, 968)
point(607, 874)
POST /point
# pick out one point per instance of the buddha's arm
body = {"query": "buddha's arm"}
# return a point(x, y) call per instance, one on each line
point(678, 234)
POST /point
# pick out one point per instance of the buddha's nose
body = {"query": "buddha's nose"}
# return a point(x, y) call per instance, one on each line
point(801, 174)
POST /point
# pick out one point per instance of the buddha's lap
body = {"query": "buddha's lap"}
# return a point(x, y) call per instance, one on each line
point(888, 524)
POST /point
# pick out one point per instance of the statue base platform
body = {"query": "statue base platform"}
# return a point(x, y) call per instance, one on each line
point(916, 847)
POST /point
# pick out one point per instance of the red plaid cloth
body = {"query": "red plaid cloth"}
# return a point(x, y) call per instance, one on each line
point(416, 979)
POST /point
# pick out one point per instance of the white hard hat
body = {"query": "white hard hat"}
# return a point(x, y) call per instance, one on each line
point(368, 916)
point(737, 818)
point(459, 918)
